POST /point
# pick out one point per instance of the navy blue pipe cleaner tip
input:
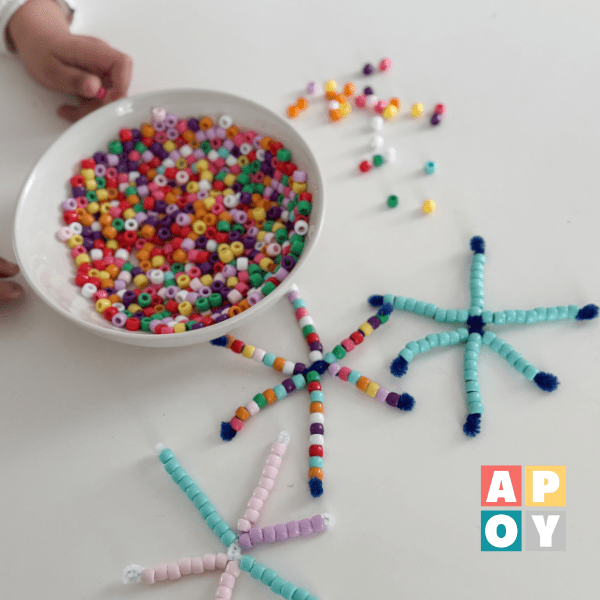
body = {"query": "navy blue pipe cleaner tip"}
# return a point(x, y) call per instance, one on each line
point(406, 402)
point(227, 431)
point(316, 487)
point(399, 366)
point(472, 425)
point(546, 381)
point(375, 300)
point(385, 310)
point(590, 311)
point(478, 245)
point(220, 341)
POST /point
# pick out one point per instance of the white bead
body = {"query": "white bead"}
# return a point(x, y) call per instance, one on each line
point(168, 162)
point(195, 284)
point(372, 100)
point(288, 367)
point(225, 121)
point(258, 355)
point(241, 263)
point(333, 105)
point(122, 253)
point(180, 296)
point(317, 417)
point(315, 355)
point(159, 114)
point(96, 226)
point(64, 233)
point(212, 155)
point(88, 290)
point(316, 439)
point(211, 245)
point(231, 200)
point(119, 306)
point(185, 150)
point(301, 227)
point(205, 185)
point(377, 141)
point(390, 154)
point(260, 154)
point(377, 123)
point(76, 228)
point(156, 276)
point(231, 160)
point(96, 254)
point(306, 320)
point(246, 148)
point(133, 175)
point(125, 276)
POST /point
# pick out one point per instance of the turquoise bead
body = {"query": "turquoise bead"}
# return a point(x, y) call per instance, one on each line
point(317, 396)
point(462, 315)
point(470, 365)
point(510, 316)
point(487, 316)
point(185, 482)
point(475, 408)
point(409, 305)
point(406, 354)
point(572, 311)
point(277, 584)
point(315, 461)
point(479, 258)
point(423, 346)
point(413, 347)
point(470, 355)
point(488, 337)
point(551, 314)
point(562, 312)
point(463, 334)
point(330, 358)
point(499, 318)
point(520, 316)
point(513, 357)
point(257, 570)
point(419, 307)
point(444, 338)
point(268, 576)
point(200, 500)
point(178, 474)
point(165, 456)
point(300, 594)
point(206, 510)
point(353, 377)
point(433, 340)
point(521, 365)
point(213, 520)
point(389, 299)
point(472, 386)
point(299, 381)
point(471, 375)
point(440, 315)
point(246, 563)
point(531, 316)
point(473, 397)
point(541, 313)
point(505, 350)
point(280, 391)
point(192, 492)
point(476, 307)
point(221, 528)
point(298, 303)
point(228, 538)
point(287, 591)
point(497, 344)
point(171, 465)
point(399, 302)
point(269, 359)
point(451, 315)
point(530, 372)
point(430, 310)
point(454, 338)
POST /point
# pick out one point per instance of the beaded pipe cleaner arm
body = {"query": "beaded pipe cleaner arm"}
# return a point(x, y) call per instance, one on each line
point(310, 377)
point(233, 562)
point(474, 321)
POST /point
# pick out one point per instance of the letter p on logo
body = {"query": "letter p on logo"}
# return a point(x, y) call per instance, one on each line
point(545, 486)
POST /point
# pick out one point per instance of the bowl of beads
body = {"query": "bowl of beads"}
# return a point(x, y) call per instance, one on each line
point(169, 218)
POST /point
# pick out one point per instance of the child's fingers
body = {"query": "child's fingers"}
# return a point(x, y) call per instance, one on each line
point(9, 291)
point(8, 269)
point(73, 113)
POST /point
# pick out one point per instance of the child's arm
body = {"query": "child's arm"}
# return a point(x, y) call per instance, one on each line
point(39, 34)
point(8, 289)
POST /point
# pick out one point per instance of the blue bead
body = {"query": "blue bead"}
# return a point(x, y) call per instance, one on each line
point(430, 168)
point(269, 359)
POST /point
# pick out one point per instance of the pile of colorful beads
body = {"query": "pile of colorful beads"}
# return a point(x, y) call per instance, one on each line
point(185, 223)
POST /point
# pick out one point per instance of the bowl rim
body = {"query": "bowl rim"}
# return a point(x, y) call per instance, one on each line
point(142, 338)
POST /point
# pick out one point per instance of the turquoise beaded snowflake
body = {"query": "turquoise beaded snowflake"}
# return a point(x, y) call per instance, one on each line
point(472, 332)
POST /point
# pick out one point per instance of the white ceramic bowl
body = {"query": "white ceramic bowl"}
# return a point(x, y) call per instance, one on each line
point(46, 262)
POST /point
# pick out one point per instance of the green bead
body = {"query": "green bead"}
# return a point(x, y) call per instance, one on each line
point(268, 288)
point(202, 304)
point(260, 400)
point(144, 300)
point(91, 196)
point(304, 207)
point(141, 147)
point(313, 376)
point(223, 226)
point(205, 146)
point(284, 155)
point(378, 160)
point(215, 299)
point(177, 268)
point(339, 352)
point(392, 201)
point(115, 147)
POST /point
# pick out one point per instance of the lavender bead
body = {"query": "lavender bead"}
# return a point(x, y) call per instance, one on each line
point(293, 529)
point(318, 523)
point(305, 527)
point(269, 535)
point(281, 532)
point(119, 320)
point(256, 536)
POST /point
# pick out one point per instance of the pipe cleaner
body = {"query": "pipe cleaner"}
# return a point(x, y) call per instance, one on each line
point(302, 376)
point(233, 561)
point(474, 335)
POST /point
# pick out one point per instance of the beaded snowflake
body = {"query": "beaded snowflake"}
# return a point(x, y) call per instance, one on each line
point(233, 562)
point(472, 332)
point(300, 376)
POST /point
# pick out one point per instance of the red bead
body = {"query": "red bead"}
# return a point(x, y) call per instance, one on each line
point(110, 312)
point(70, 216)
point(312, 337)
point(357, 337)
point(155, 162)
point(170, 172)
point(77, 181)
point(439, 109)
point(218, 185)
point(314, 386)
point(88, 163)
point(315, 450)
point(221, 237)
point(365, 166)
point(148, 311)
point(237, 346)
point(125, 135)
point(171, 306)
point(306, 196)
point(82, 279)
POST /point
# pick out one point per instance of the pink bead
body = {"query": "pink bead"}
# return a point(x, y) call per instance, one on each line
point(221, 560)
point(210, 562)
point(252, 515)
point(236, 424)
point(185, 566)
point(382, 394)
point(348, 345)
point(385, 64)
point(197, 565)
point(301, 312)
point(274, 461)
point(233, 568)
point(278, 448)
point(148, 576)
point(261, 494)
point(334, 369)
point(223, 593)
point(100, 95)
point(266, 483)
point(270, 472)
point(227, 579)
point(360, 100)
point(243, 525)
point(173, 571)
point(255, 503)
point(252, 408)
point(343, 373)
point(160, 572)
point(380, 106)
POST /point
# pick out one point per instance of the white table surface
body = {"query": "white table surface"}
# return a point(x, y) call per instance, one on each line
point(83, 494)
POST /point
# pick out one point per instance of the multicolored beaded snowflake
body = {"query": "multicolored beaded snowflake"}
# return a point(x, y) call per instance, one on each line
point(300, 376)
point(474, 334)
point(233, 562)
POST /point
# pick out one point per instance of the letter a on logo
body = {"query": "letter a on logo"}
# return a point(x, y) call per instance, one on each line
point(501, 485)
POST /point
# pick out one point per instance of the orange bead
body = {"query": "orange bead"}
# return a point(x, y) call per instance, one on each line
point(331, 95)
point(170, 198)
point(265, 143)
point(316, 407)
point(244, 304)
point(242, 414)
point(234, 310)
point(146, 265)
point(113, 193)
point(270, 396)
point(362, 383)
point(188, 136)
point(279, 363)
point(105, 219)
point(231, 132)
point(395, 102)
point(302, 103)
point(335, 115)
point(86, 219)
point(147, 231)
point(180, 256)
point(151, 174)
point(109, 232)
point(293, 111)
point(315, 472)
point(210, 219)
point(113, 271)
point(114, 298)
point(147, 130)
point(206, 123)
point(106, 283)
point(349, 89)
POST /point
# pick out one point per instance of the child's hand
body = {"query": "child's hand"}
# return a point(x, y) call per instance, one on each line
point(8, 289)
point(64, 62)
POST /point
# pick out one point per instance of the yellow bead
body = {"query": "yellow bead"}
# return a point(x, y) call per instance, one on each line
point(372, 389)
point(248, 351)
point(206, 175)
point(93, 272)
point(260, 236)
point(331, 85)
point(366, 329)
point(93, 208)
point(266, 264)
point(157, 261)
point(102, 195)
point(88, 174)
point(416, 109)
point(232, 282)
point(259, 214)
point(185, 308)
point(277, 225)
point(103, 275)
point(169, 146)
point(179, 328)
point(202, 165)
point(183, 280)
point(229, 179)
point(82, 258)
point(199, 227)
point(141, 281)
point(237, 248)
point(209, 202)
point(102, 304)
point(428, 206)
point(90, 185)
point(243, 161)
point(298, 188)
point(129, 213)
point(226, 256)
point(206, 279)
point(192, 187)
point(181, 163)
point(75, 240)
point(345, 108)
point(133, 307)
point(105, 208)
point(112, 244)
point(389, 111)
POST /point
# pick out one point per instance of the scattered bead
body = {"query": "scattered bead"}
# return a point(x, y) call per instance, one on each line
point(313, 88)
point(430, 167)
point(365, 166)
point(390, 111)
point(331, 85)
point(392, 201)
point(377, 142)
point(377, 123)
point(360, 101)
point(439, 109)
point(436, 119)
point(385, 64)
point(416, 109)
point(378, 160)
point(349, 89)
point(368, 69)
point(368, 91)
point(428, 207)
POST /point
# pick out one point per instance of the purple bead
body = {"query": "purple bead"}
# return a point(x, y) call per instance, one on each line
point(274, 213)
point(305, 527)
point(299, 368)
point(119, 320)
point(234, 236)
point(218, 286)
point(374, 322)
point(368, 91)
point(256, 535)
point(281, 532)
point(317, 428)
point(128, 146)
point(392, 399)
point(288, 262)
point(220, 318)
point(318, 523)
point(201, 242)
point(136, 135)
point(249, 241)
point(236, 187)
point(436, 119)
point(293, 529)
point(189, 209)
point(206, 267)
point(214, 258)
point(170, 120)
point(100, 158)
point(274, 196)
point(269, 534)
point(136, 271)
point(197, 326)
point(193, 124)
point(78, 191)
point(289, 385)
point(368, 69)
point(163, 234)
point(316, 346)
point(245, 198)
point(244, 541)
point(88, 243)
point(160, 206)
